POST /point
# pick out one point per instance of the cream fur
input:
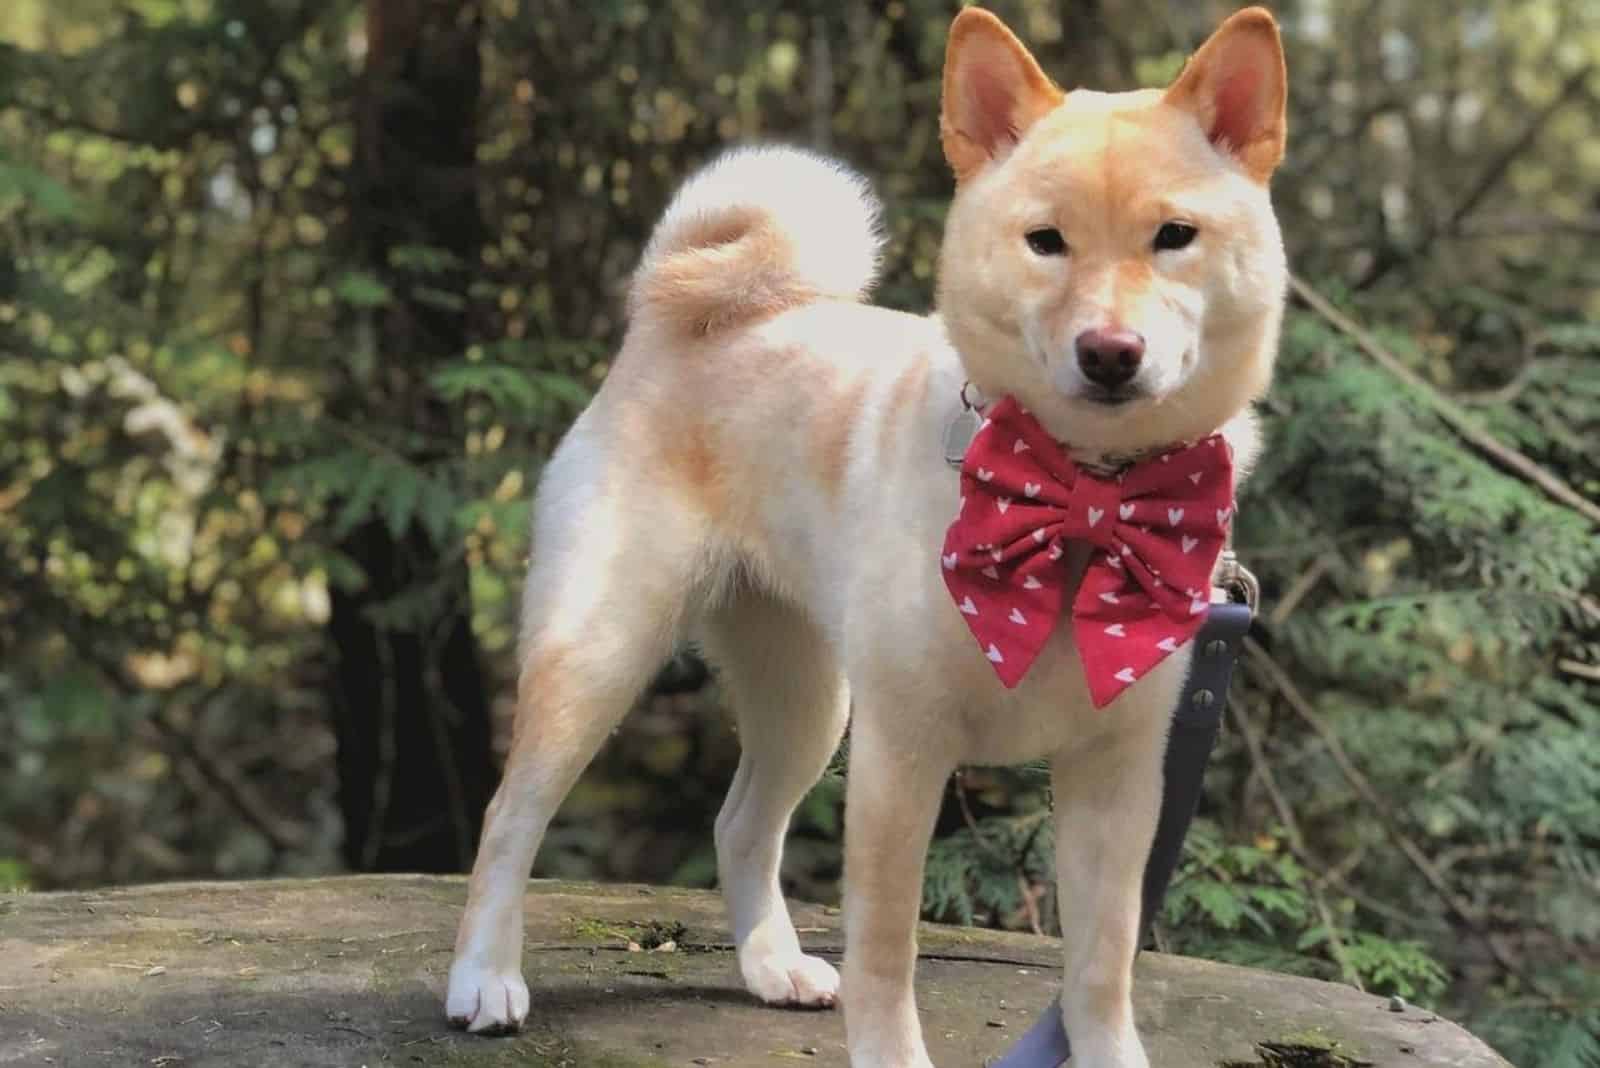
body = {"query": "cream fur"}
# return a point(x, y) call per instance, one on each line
point(763, 470)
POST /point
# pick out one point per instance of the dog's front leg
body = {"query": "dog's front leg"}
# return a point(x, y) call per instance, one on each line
point(894, 789)
point(1107, 800)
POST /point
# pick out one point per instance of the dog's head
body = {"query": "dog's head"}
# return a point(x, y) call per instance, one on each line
point(1113, 260)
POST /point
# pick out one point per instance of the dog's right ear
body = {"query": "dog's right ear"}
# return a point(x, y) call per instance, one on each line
point(993, 91)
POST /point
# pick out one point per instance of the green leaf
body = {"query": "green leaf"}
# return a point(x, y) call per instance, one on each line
point(47, 195)
point(362, 289)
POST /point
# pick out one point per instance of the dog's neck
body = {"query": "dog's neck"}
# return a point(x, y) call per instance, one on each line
point(963, 424)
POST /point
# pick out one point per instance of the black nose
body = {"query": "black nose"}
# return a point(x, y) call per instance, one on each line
point(1108, 357)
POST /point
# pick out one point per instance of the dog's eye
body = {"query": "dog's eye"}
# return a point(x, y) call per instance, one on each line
point(1047, 241)
point(1173, 236)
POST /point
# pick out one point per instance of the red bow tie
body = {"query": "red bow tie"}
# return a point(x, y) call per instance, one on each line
point(1161, 524)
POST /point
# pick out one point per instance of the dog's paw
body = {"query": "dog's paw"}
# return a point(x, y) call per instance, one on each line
point(484, 1001)
point(794, 979)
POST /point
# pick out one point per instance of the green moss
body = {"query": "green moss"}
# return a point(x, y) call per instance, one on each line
point(1312, 1048)
point(647, 933)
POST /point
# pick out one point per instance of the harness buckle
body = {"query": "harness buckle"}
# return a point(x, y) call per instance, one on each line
point(1238, 580)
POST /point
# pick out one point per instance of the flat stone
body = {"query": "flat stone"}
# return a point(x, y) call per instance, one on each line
point(350, 971)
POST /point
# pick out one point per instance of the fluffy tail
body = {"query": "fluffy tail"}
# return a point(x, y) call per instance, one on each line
point(757, 231)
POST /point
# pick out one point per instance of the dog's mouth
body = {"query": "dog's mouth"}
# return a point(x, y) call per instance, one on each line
point(1112, 398)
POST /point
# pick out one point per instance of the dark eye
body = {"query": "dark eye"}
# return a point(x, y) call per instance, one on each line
point(1047, 241)
point(1173, 236)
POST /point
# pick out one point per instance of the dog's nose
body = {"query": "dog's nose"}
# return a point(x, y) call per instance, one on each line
point(1108, 357)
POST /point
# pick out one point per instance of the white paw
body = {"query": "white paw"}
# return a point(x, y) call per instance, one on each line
point(484, 1001)
point(794, 979)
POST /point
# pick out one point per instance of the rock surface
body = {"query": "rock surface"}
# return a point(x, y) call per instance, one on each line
point(350, 971)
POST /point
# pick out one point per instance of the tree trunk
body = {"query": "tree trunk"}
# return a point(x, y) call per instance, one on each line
point(410, 703)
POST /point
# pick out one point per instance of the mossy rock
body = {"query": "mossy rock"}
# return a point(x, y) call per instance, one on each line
point(350, 971)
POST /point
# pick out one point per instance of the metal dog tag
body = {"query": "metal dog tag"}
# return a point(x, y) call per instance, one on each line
point(958, 434)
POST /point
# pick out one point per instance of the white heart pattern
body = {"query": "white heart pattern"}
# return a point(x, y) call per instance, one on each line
point(1011, 606)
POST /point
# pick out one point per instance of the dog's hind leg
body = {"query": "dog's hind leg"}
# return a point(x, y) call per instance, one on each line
point(614, 567)
point(791, 703)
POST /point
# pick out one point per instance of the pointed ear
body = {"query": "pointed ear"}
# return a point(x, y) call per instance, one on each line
point(1236, 88)
point(993, 91)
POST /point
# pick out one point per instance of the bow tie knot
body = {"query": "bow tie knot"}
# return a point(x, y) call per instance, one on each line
point(1093, 510)
point(1160, 523)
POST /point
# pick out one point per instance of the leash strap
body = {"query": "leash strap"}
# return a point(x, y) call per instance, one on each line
point(1195, 723)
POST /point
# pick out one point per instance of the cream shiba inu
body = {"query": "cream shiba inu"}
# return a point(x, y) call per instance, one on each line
point(764, 471)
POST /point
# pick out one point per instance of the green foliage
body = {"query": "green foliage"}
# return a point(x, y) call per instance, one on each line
point(199, 401)
point(979, 873)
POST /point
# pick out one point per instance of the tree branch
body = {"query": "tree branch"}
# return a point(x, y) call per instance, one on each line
point(1488, 178)
point(1448, 410)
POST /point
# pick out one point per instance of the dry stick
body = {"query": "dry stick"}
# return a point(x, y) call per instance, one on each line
point(1297, 842)
point(1279, 678)
point(1580, 669)
point(1300, 587)
point(230, 785)
point(1447, 409)
point(1029, 903)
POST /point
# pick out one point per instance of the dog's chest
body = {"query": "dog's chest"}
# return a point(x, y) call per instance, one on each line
point(909, 626)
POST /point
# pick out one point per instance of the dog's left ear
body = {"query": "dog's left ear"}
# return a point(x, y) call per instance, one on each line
point(1237, 88)
point(993, 91)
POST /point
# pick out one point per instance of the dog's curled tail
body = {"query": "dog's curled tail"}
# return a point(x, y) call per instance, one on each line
point(757, 231)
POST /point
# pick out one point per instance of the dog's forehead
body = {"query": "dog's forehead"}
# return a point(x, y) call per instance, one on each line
point(1117, 146)
point(1085, 102)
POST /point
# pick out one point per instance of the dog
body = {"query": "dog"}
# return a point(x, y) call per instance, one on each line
point(764, 471)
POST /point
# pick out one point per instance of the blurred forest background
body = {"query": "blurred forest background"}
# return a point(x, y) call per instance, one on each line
point(295, 295)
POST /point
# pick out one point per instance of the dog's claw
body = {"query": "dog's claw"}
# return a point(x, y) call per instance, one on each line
point(486, 1003)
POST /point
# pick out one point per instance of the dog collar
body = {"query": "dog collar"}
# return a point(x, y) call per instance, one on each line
point(965, 422)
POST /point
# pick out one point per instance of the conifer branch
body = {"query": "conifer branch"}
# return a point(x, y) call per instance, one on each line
point(1279, 680)
point(1448, 410)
